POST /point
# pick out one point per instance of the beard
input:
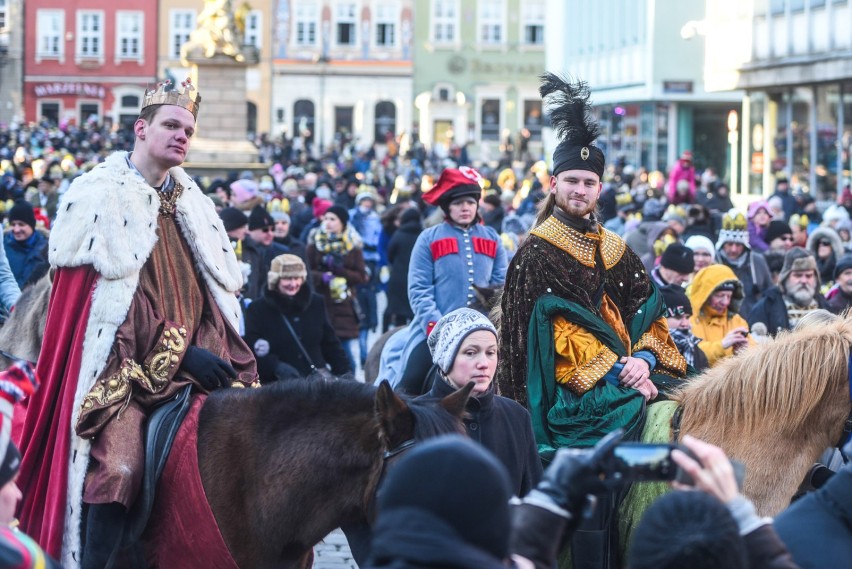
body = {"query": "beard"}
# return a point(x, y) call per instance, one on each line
point(802, 294)
point(573, 210)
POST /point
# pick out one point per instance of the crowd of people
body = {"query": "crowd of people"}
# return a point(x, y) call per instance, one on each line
point(618, 285)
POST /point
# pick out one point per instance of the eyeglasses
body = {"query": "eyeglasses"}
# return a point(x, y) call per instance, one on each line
point(786, 238)
point(824, 243)
point(267, 229)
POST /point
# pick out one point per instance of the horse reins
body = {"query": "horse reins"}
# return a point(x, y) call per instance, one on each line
point(386, 456)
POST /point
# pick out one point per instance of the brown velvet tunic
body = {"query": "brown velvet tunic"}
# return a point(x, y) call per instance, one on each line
point(171, 310)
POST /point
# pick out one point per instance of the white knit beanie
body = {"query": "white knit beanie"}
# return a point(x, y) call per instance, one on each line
point(451, 330)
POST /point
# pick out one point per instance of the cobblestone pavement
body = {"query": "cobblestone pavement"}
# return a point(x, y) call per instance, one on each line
point(333, 552)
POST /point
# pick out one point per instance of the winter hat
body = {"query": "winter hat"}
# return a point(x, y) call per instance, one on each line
point(798, 259)
point(700, 242)
point(776, 229)
point(280, 216)
point(734, 229)
point(16, 382)
point(243, 190)
point(266, 184)
point(320, 206)
point(844, 263)
point(687, 529)
point(678, 258)
point(453, 486)
point(451, 330)
point(756, 206)
point(283, 267)
point(677, 303)
point(259, 218)
point(365, 193)
point(653, 209)
point(835, 213)
point(340, 212)
point(22, 211)
point(232, 218)
point(453, 184)
point(675, 213)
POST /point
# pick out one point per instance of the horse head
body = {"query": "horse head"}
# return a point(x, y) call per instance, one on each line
point(402, 420)
point(777, 406)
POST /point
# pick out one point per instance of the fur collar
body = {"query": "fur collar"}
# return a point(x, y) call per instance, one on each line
point(106, 217)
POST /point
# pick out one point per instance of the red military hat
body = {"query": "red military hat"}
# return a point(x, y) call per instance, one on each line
point(453, 184)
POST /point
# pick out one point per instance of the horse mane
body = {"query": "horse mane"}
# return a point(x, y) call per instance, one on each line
point(778, 384)
point(311, 394)
point(432, 420)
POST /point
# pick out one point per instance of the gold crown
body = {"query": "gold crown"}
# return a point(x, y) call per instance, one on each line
point(180, 97)
point(734, 221)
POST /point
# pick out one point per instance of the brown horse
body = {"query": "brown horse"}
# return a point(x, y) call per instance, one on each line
point(284, 465)
point(22, 334)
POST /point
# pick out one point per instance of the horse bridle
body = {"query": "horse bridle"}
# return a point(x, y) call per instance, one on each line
point(387, 456)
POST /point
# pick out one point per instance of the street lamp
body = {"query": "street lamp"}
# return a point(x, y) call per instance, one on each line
point(733, 138)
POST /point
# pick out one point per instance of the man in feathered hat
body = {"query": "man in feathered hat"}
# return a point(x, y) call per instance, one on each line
point(583, 341)
point(579, 288)
point(143, 304)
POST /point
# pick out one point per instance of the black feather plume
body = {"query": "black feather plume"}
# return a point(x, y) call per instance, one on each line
point(569, 109)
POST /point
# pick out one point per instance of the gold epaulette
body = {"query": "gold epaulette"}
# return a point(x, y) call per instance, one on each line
point(582, 246)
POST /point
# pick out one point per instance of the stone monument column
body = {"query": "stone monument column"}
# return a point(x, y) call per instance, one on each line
point(218, 63)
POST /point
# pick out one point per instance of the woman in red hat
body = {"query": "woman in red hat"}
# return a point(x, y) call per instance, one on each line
point(446, 262)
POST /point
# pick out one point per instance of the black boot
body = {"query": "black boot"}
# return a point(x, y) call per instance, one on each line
point(104, 527)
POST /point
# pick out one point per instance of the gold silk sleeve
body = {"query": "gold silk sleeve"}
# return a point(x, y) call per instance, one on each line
point(658, 341)
point(581, 359)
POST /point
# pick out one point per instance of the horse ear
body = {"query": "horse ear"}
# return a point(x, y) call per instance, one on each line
point(395, 418)
point(456, 401)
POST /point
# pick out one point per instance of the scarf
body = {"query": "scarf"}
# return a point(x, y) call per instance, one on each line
point(686, 343)
point(333, 243)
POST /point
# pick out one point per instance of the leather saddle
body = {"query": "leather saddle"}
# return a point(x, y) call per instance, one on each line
point(160, 432)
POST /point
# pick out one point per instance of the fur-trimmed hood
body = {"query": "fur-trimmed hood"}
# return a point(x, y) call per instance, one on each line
point(825, 233)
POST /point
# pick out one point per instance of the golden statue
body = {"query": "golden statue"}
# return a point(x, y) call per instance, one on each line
point(219, 31)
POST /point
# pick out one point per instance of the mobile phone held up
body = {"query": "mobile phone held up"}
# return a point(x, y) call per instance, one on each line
point(641, 462)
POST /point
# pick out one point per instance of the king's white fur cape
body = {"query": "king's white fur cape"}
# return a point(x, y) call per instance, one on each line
point(108, 219)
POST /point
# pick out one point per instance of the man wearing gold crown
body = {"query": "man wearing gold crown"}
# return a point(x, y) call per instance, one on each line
point(143, 304)
point(584, 342)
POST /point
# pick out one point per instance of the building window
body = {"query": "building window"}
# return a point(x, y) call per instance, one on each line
point(90, 113)
point(445, 15)
point(346, 24)
point(343, 121)
point(3, 10)
point(254, 29)
point(128, 41)
point(306, 24)
point(90, 34)
point(181, 24)
point(491, 21)
point(50, 29)
point(490, 119)
point(303, 119)
point(130, 101)
point(49, 112)
point(533, 22)
point(385, 121)
point(386, 19)
point(532, 118)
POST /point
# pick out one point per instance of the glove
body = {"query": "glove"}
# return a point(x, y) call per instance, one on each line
point(573, 475)
point(211, 371)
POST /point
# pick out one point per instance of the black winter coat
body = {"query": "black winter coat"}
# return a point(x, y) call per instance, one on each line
point(817, 528)
point(503, 427)
point(399, 257)
point(307, 315)
point(772, 311)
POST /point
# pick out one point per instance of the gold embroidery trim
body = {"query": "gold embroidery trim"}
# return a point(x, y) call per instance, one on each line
point(115, 388)
point(667, 356)
point(591, 372)
point(168, 200)
point(582, 246)
point(160, 364)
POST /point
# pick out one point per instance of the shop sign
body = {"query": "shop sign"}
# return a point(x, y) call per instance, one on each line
point(677, 86)
point(67, 88)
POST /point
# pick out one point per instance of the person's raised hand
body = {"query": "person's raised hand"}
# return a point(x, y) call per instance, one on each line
point(712, 472)
point(736, 338)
